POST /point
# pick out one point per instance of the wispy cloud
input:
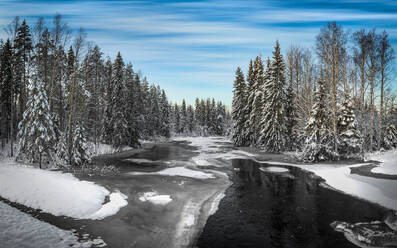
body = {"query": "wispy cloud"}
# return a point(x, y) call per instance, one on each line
point(196, 45)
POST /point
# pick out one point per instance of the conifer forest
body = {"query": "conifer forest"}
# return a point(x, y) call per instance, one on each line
point(205, 124)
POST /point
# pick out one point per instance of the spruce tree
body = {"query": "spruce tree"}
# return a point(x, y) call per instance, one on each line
point(238, 109)
point(37, 136)
point(107, 126)
point(255, 100)
point(290, 118)
point(274, 130)
point(164, 116)
point(119, 120)
point(248, 107)
point(390, 136)
point(349, 135)
point(319, 134)
point(81, 148)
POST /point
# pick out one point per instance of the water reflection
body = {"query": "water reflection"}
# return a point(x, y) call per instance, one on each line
point(289, 209)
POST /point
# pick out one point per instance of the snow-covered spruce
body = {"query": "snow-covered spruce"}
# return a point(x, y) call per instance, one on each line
point(349, 135)
point(238, 114)
point(37, 136)
point(319, 143)
point(274, 130)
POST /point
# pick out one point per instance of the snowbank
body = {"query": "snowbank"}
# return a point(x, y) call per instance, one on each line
point(57, 193)
point(22, 230)
point(155, 198)
point(388, 159)
point(177, 171)
point(376, 190)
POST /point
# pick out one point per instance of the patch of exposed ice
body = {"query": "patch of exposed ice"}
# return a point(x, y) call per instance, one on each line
point(155, 198)
point(274, 169)
point(19, 229)
point(57, 193)
point(212, 148)
point(177, 171)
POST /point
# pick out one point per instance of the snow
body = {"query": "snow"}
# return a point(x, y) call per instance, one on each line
point(103, 149)
point(19, 229)
point(155, 198)
point(274, 169)
point(57, 193)
point(388, 159)
point(177, 171)
point(338, 177)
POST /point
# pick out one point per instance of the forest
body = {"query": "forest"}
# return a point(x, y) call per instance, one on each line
point(331, 102)
point(60, 97)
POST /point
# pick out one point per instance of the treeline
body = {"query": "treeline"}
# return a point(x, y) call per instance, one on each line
point(334, 103)
point(59, 95)
point(206, 118)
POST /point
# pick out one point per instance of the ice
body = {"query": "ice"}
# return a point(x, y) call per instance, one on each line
point(177, 171)
point(274, 169)
point(57, 193)
point(22, 230)
point(155, 198)
point(212, 148)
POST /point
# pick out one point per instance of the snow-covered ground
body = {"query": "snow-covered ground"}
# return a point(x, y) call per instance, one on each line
point(388, 159)
point(381, 191)
point(22, 230)
point(57, 193)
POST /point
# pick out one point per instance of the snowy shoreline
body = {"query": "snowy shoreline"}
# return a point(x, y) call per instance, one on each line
point(57, 193)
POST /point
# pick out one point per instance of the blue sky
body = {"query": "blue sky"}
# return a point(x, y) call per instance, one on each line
point(192, 48)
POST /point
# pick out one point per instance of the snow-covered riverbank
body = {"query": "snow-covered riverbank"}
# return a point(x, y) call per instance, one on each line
point(57, 193)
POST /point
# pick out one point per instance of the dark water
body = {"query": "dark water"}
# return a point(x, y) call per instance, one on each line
point(263, 209)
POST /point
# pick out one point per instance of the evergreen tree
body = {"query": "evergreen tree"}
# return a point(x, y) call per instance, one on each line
point(274, 130)
point(37, 136)
point(107, 126)
point(390, 136)
point(131, 110)
point(238, 109)
point(255, 100)
point(190, 120)
point(249, 104)
point(81, 149)
point(319, 135)
point(349, 135)
point(7, 93)
point(290, 115)
point(164, 116)
point(183, 127)
point(119, 120)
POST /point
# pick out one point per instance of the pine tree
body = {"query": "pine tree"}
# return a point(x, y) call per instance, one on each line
point(290, 115)
point(164, 116)
point(119, 120)
point(390, 136)
point(81, 149)
point(349, 135)
point(131, 110)
point(248, 107)
point(238, 109)
point(107, 126)
point(22, 49)
point(273, 133)
point(183, 127)
point(7, 93)
point(37, 136)
point(255, 100)
point(319, 134)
